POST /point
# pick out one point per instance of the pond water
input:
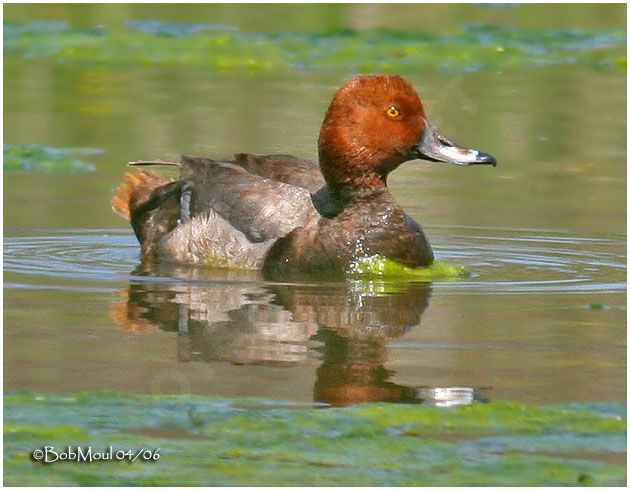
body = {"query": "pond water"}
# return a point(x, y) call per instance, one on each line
point(540, 320)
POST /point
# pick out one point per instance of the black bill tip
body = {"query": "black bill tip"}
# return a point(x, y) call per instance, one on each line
point(485, 159)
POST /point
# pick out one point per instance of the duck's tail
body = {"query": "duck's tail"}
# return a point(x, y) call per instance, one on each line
point(136, 189)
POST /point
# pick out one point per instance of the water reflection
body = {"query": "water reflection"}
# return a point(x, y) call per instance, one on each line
point(345, 324)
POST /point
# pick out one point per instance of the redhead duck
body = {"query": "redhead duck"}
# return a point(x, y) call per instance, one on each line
point(281, 213)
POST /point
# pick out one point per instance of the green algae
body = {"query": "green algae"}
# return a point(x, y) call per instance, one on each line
point(176, 29)
point(211, 442)
point(43, 159)
point(371, 267)
point(224, 48)
point(375, 267)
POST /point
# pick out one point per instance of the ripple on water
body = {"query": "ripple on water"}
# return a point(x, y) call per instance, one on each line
point(501, 260)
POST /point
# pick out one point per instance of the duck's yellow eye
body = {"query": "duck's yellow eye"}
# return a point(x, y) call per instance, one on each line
point(393, 112)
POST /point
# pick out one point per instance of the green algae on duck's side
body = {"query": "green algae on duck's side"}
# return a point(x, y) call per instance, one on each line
point(389, 269)
point(470, 48)
point(210, 441)
point(44, 159)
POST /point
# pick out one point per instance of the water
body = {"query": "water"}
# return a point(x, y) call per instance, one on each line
point(500, 260)
point(541, 311)
point(541, 319)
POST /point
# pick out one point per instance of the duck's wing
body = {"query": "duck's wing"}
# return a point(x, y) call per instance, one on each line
point(291, 170)
point(261, 208)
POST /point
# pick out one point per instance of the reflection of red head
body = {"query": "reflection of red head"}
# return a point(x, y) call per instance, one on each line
point(353, 372)
point(349, 385)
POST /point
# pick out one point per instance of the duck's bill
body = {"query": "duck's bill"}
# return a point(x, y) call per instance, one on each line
point(438, 148)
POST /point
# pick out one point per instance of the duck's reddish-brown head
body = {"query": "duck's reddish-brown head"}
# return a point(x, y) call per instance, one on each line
point(375, 123)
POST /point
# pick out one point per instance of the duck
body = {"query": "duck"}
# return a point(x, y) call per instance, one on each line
point(282, 213)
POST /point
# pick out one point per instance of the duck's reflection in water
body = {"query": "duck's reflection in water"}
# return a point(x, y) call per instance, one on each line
point(235, 316)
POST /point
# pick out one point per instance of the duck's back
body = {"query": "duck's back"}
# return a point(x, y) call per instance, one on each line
point(289, 169)
point(227, 213)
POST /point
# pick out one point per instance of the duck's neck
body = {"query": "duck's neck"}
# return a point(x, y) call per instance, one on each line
point(357, 193)
point(349, 171)
point(332, 200)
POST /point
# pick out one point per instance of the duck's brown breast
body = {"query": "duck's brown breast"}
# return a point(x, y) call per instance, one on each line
point(368, 225)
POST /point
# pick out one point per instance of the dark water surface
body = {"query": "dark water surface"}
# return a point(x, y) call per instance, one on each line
point(542, 319)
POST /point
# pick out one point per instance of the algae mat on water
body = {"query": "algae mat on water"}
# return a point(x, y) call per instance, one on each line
point(222, 48)
point(44, 159)
point(214, 441)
